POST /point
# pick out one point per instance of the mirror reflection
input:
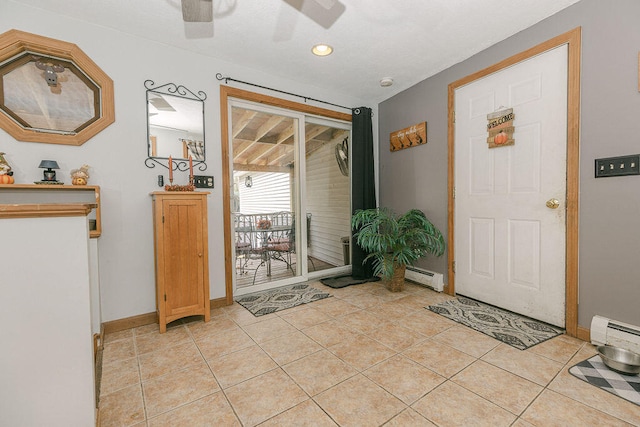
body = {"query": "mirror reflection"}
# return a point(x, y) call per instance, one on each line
point(47, 93)
point(175, 119)
point(51, 91)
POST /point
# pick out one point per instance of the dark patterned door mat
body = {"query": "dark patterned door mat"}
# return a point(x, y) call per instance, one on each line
point(518, 331)
point(596, 373)
point(344, 281)
point(272, 300)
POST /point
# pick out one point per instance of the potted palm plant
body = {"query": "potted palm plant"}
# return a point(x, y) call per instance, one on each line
point(395, 241)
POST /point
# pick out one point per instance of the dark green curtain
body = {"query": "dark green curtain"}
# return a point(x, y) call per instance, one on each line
point(363, 190)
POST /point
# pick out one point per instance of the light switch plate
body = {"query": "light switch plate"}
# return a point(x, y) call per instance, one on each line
point(203, 181)
point(618, 166)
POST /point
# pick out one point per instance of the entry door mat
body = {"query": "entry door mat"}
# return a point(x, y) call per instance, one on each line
point(518, 331)
point(595, 372)
point(344, 281)
point(272, 300)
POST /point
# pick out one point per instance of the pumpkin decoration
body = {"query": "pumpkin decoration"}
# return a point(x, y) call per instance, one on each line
point(6, 176)
point(6, 179)
point(80, 176)
point(500, 128)
point(500, 138)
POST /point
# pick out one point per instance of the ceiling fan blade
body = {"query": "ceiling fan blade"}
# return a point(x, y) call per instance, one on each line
point(323, 12)
point(197, 10)
point(327, 4)
point(161, 104)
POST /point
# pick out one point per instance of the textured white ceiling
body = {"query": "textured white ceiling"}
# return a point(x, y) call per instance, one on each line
point(407, 40)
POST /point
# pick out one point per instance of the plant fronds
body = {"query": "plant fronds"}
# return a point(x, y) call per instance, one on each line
point(393, 240)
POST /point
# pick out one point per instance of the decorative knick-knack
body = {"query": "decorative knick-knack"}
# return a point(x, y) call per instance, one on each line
point(6, 175)
point(80, 176)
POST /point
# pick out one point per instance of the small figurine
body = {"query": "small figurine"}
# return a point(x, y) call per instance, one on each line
point(6, 175)
point(80, 176)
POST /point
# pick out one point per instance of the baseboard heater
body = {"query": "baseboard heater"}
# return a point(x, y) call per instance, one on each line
point(425, 277)
point(611, 332)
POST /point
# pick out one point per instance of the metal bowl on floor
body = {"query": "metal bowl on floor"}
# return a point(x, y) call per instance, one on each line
point(620, 360)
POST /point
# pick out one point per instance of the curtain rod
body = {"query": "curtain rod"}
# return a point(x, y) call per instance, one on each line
point(306, 98)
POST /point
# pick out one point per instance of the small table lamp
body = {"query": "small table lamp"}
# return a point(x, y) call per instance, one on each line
point(49, 173)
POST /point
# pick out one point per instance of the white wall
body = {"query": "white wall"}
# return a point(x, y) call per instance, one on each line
point(168, 141)
point(117, 154)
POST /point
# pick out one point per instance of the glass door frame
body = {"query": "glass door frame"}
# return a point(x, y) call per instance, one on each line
point(228, 93)
point(298, 195)
point(339, 124)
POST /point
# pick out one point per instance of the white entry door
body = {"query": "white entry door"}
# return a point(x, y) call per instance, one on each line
point(509, 245)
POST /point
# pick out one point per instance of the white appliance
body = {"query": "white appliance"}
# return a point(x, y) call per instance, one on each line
point(618, 334)
point(425, 277)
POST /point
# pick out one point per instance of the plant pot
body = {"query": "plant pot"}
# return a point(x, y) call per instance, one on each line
point(396, 283)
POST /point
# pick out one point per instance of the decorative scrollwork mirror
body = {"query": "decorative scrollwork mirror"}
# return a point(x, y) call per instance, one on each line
point(51, 91)
point(175, 126)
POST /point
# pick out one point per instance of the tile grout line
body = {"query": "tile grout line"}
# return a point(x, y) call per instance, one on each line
point(144, 402)
point(358, 371)
point(214, 376)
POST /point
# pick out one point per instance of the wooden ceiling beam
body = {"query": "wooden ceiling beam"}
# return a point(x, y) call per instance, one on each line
point(245, 119)
point(313, 131)
point(243, 149)
point(268, 126)
point(284, 135)
point(237, 167)
point(252, 154)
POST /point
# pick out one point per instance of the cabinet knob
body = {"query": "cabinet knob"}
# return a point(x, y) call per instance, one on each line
point(200, 255)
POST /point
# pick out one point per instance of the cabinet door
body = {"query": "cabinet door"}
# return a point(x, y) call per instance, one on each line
point(183, 256)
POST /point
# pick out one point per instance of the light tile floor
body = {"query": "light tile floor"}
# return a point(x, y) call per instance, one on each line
point(364, 357)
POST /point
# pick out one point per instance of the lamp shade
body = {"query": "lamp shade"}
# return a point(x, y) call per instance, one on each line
point(49, 164)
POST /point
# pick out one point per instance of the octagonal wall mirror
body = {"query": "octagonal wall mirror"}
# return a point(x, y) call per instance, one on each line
point(175, 126)
point(51, 91)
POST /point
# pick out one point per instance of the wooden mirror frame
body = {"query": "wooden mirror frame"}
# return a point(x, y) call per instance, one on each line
point(14, 42)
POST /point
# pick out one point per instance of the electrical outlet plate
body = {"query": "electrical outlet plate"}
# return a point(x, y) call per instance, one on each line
point(203, 181)
point(618, 166)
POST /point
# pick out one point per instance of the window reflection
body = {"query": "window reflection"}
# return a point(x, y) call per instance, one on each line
point(42, 92)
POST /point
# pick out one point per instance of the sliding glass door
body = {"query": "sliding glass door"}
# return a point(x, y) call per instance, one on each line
point(290, 196)
point(327, 196)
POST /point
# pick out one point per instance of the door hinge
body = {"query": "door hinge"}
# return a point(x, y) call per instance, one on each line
point(163, 219)
point(453, 267)
point(454, 116)
point(165, 297)
point(454, 192)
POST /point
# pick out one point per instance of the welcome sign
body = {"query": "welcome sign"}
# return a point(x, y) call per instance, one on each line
point(500, 128)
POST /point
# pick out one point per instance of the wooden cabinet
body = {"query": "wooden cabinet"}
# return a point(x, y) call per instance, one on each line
point(181, 255)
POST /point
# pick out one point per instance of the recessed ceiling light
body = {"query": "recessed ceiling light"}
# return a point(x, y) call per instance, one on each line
point(386, 81)
point(322, 49)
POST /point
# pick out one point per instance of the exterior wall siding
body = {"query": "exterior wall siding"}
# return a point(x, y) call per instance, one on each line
point(329, 203)
point(270, 192)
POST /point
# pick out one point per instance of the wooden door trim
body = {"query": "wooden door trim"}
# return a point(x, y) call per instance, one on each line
point(227, 92)
point(573, 40)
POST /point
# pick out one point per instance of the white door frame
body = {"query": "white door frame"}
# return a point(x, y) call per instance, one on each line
point(573, 40)
point(299, 198)
point(227, 93)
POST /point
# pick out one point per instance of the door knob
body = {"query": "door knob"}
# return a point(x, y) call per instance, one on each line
point(553, 203)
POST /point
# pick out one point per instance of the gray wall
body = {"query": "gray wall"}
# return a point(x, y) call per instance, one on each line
point(609, 283)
